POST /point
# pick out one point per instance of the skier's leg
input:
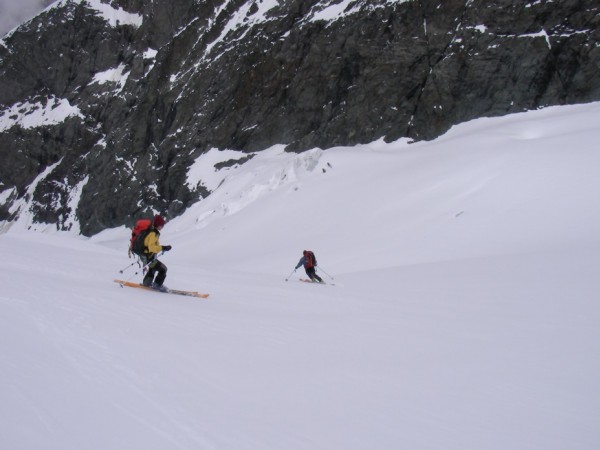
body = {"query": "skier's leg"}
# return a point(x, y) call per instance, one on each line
point(149, 278)
point(161, 269)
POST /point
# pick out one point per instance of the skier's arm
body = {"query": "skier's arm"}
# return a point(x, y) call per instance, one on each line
point(301, 262)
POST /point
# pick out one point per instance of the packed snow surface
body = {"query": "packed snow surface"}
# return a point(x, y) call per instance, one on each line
point(461, 311)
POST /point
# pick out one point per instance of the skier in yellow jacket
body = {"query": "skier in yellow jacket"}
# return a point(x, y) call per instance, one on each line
point(152, 247)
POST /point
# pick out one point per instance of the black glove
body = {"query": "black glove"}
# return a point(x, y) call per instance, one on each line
point(166, 248)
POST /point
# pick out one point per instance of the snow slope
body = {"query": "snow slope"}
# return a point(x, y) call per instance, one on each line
point(464, 313)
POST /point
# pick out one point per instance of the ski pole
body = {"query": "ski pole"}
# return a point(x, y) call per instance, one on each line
point(138, 271)
point(125, 268)
point(322, 270)
point(290, 274)
point(144, 266)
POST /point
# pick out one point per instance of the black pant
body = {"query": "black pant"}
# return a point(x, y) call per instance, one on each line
point(310, 271)
point(158, 268)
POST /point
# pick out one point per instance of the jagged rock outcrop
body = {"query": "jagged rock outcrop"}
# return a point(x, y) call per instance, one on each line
point(104, 105)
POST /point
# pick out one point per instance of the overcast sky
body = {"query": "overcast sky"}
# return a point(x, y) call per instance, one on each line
point(15, 12)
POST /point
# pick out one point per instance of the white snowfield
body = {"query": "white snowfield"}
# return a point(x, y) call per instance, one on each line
point(36, 114)
point(114, 16)
point(465, 313)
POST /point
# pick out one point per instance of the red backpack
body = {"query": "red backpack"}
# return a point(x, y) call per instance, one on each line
point(311, 260)
point(138, 236)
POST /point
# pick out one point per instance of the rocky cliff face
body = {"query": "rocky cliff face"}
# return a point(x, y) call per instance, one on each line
point(105, 104)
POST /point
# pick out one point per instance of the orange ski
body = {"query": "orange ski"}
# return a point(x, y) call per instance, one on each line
point(168, 291)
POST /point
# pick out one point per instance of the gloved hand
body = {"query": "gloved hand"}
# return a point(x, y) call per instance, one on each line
point(166, 248)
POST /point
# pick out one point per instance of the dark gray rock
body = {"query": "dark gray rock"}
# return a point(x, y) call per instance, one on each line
point(192, 81)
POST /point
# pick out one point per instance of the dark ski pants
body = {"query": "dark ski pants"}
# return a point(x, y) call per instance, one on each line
point(310, 271)
point(155, 268)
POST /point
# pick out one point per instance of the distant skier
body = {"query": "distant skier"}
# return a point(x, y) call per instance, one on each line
point(152, 246)
point(309, 261)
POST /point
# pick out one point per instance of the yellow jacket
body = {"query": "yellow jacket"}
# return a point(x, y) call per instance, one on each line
point(151, 242)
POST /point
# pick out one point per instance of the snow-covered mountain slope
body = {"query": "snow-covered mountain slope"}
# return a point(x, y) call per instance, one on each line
point(464, 313)
point(118, 98)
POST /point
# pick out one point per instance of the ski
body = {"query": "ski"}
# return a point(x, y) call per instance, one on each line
point(306, 280)
point(168, 291)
